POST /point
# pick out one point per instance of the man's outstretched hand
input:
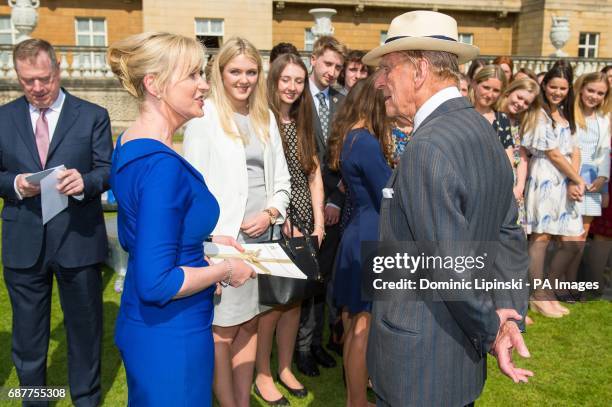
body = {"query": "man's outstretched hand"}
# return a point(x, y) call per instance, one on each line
point(509, 338)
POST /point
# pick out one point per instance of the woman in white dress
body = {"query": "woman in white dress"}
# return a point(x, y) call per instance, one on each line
point(237, 147)
point(593, 133)
point(554, 185)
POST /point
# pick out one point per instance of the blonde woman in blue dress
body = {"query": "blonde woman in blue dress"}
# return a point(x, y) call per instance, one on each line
point(238, 149)
point(554, 185)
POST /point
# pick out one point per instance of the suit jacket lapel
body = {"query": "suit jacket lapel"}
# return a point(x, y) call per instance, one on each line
point(333, 101)
point(68, 116)
point(23, 124)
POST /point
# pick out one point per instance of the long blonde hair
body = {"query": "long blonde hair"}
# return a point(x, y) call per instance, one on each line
point(486, 73)
point(581, 82)
point(529, 118)
point(258, 101)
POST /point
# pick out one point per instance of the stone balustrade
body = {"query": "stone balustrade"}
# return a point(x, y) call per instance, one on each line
point(85, 73)
point(89, 63)
point(75, 62)
point(543, 64)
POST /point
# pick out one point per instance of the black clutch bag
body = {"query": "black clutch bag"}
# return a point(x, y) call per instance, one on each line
point(276, 290)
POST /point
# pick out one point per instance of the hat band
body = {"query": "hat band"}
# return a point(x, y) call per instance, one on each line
point(438, 37)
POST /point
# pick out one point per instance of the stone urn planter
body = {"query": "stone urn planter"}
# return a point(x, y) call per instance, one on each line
point(559, 34)
point(24, 16)
point(323, 23)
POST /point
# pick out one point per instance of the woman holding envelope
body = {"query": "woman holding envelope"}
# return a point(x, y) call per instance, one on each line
point(164, 324)
point(237, 147)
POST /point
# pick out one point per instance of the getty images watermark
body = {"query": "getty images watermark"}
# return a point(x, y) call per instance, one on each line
point(458, 271)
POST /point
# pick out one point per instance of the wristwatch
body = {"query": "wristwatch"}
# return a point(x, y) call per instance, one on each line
point(271, 215)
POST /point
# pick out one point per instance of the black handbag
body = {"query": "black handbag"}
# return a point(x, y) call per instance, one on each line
point(276, 290)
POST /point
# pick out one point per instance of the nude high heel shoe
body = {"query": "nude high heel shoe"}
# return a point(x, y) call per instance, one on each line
point(545, 308)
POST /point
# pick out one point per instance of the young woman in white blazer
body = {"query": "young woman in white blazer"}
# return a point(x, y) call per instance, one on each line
point(237, 147)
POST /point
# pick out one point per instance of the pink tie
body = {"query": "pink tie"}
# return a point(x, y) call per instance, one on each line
point(42, 137)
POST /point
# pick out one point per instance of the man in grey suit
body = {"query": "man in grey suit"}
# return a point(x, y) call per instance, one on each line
point(45, 128)
point(453, 185)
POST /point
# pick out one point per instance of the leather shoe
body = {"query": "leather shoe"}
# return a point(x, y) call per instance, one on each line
point(322, 357)
point(279, 402)
point(306, 364)
point(299, 393)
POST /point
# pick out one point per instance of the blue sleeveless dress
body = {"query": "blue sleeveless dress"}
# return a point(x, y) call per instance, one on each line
point(165, 213)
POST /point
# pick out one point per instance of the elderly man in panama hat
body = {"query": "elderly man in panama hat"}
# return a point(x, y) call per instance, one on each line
point(451, 192)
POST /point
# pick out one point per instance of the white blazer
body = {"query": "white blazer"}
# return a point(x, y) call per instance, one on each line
point(222, 161)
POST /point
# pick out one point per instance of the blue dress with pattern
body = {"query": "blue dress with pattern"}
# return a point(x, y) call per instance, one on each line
point(548, 208)
point(165, 213)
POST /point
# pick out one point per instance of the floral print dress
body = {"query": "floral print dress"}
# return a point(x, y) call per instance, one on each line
point(546, 202)
point(515, 130)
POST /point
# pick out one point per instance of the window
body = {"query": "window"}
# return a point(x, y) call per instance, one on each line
point(588, 45)
point(209, 31)
point(466, 38)
point(309, 39)
point(91, 32)
point(383, 37)
point(8, 35)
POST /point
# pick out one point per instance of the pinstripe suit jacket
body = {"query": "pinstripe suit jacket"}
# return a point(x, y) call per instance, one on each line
point(454, 183)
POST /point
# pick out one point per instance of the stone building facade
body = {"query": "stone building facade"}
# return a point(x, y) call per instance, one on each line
point(520, 28)
point(59, 20)
point(501, 27)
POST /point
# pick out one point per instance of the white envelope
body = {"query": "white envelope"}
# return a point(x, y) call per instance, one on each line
point(271, 251)
point(52, 201)
point(38, 176)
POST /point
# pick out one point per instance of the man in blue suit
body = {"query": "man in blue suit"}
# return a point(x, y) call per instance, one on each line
point(46, 128)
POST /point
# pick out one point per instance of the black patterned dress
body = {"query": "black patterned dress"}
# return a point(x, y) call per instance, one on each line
point(301, 200)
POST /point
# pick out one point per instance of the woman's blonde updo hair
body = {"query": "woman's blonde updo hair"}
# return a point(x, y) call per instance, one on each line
point(165, 55)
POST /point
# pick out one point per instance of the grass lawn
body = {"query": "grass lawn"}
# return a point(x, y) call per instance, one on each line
point(572, 359)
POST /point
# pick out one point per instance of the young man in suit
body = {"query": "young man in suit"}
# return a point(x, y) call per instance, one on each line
point(45, 128)
point(327, 61)
point(451, 192)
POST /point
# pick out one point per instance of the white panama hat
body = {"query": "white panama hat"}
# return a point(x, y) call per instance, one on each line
point(423, 31)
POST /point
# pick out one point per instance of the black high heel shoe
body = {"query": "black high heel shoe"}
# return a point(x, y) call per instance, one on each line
point(299, 393)
point(279, 402)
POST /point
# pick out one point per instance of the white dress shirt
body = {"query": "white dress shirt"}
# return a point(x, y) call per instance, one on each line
point(52, 114)
point(433, 103)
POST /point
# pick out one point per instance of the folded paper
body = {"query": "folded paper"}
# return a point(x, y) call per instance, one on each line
point(265, 258)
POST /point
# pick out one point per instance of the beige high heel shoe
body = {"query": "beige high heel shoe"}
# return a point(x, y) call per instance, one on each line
point(545, 308)
point(557, 305)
